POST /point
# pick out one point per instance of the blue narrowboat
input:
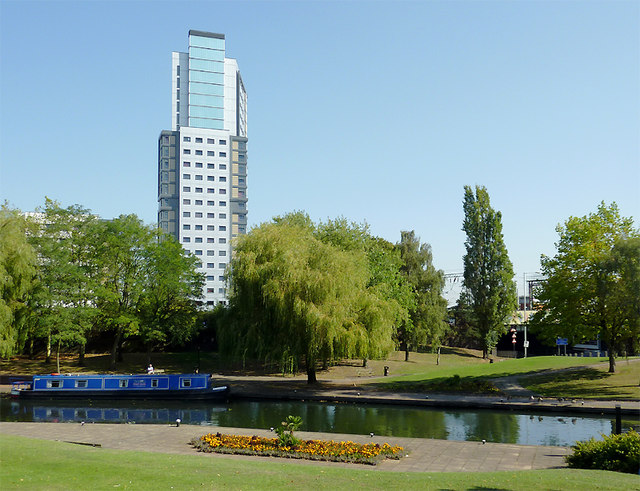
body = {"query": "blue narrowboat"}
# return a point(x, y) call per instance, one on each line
point(161, 386)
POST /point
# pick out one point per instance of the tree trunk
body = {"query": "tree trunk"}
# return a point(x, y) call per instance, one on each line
point(311, 375)
point(120, 355)
point(438, 358)
point(612, 361)
point(406, 354)
point(58, 358)
point(485, 352)
point(364, 363)
point(48, 357)
point(114, 350)
point(81, 355)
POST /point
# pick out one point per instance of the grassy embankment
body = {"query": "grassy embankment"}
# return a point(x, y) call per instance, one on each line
point(38, 464)
point(420, 373)
point(589, 382)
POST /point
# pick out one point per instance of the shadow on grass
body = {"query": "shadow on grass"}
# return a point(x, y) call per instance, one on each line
point(468, 385)
point(575, 383)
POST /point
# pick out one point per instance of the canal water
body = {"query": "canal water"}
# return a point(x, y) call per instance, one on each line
point(385, 420)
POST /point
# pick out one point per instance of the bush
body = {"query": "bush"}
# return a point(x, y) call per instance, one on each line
point(619, 453)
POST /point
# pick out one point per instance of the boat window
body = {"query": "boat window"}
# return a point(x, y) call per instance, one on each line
point(186, 382)
point(81, 383)
point(54, 384)
point(154, 382)
point(124, 383)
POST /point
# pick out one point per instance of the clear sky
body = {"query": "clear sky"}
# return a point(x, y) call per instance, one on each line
point(377, 111)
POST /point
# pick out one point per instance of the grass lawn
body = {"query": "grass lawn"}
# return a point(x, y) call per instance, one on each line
point(431, 377)
point(39, 464)
point(589, 382)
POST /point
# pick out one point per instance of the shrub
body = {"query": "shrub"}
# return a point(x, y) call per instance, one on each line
point(619, 453)
point(291, 424)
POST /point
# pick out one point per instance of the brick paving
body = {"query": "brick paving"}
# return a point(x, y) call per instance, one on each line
point(424, 455)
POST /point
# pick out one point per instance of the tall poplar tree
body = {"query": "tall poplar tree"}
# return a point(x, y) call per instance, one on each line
point(488, 287)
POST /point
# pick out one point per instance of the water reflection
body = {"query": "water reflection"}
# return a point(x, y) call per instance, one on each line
point(403, 421)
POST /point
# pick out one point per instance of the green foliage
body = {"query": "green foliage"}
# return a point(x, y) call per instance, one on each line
point(592, 283)
point(62, 305)
point(427, 309)
point(296, 298)
point(171, 288)
point(64, 274)
point(620, 453)
point(17, 271)
point(286, 429)
point(489, 289)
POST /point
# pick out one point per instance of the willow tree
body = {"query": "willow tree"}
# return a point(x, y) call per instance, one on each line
point(17, 271)
point(488, 288)
point(296, 299)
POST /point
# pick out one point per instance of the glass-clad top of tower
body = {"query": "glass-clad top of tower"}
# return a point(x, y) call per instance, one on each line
point(206, 80)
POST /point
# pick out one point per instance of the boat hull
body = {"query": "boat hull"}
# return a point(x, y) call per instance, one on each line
point(215, 393)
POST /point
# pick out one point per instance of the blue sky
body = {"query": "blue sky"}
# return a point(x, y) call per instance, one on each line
point(377, 111)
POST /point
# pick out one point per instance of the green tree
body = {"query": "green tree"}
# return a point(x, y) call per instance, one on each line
point(386, 285)
point(488, 287)
point(428, 311)
point(168, 306)
point(121, 252)
point(17, 271)
point(295, 298)
point(592, 283)
point(62, 307)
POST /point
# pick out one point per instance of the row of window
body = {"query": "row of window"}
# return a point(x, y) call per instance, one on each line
point(199, 227)
point(213, 265)
point(210, 153)
point(187, 189)
point(220, 290)
point(197, 240)
point(210, 141)
point(199, 165)
point(187, 201)
point(200, 177)
point(199, 252)
point(213, 278)
point(198, 214)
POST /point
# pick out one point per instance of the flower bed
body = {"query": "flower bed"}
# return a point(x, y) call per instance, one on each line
point(369, 453)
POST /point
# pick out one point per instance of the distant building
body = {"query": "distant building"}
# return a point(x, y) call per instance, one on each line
point(202, 160)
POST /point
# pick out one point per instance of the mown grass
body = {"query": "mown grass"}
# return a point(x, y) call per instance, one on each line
point(442, 377)
point(589, 382)
point(37, 464)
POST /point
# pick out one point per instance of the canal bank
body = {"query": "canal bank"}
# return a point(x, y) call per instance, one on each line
point(350, 391)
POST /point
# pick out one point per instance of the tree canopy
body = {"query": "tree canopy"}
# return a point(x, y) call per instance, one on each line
point(296, 298)
point(425, 323)
point(591, 284)
point(489, 290)
point(17, 271)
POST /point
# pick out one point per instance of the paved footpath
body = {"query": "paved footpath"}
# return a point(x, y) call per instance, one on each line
point(424, 455)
